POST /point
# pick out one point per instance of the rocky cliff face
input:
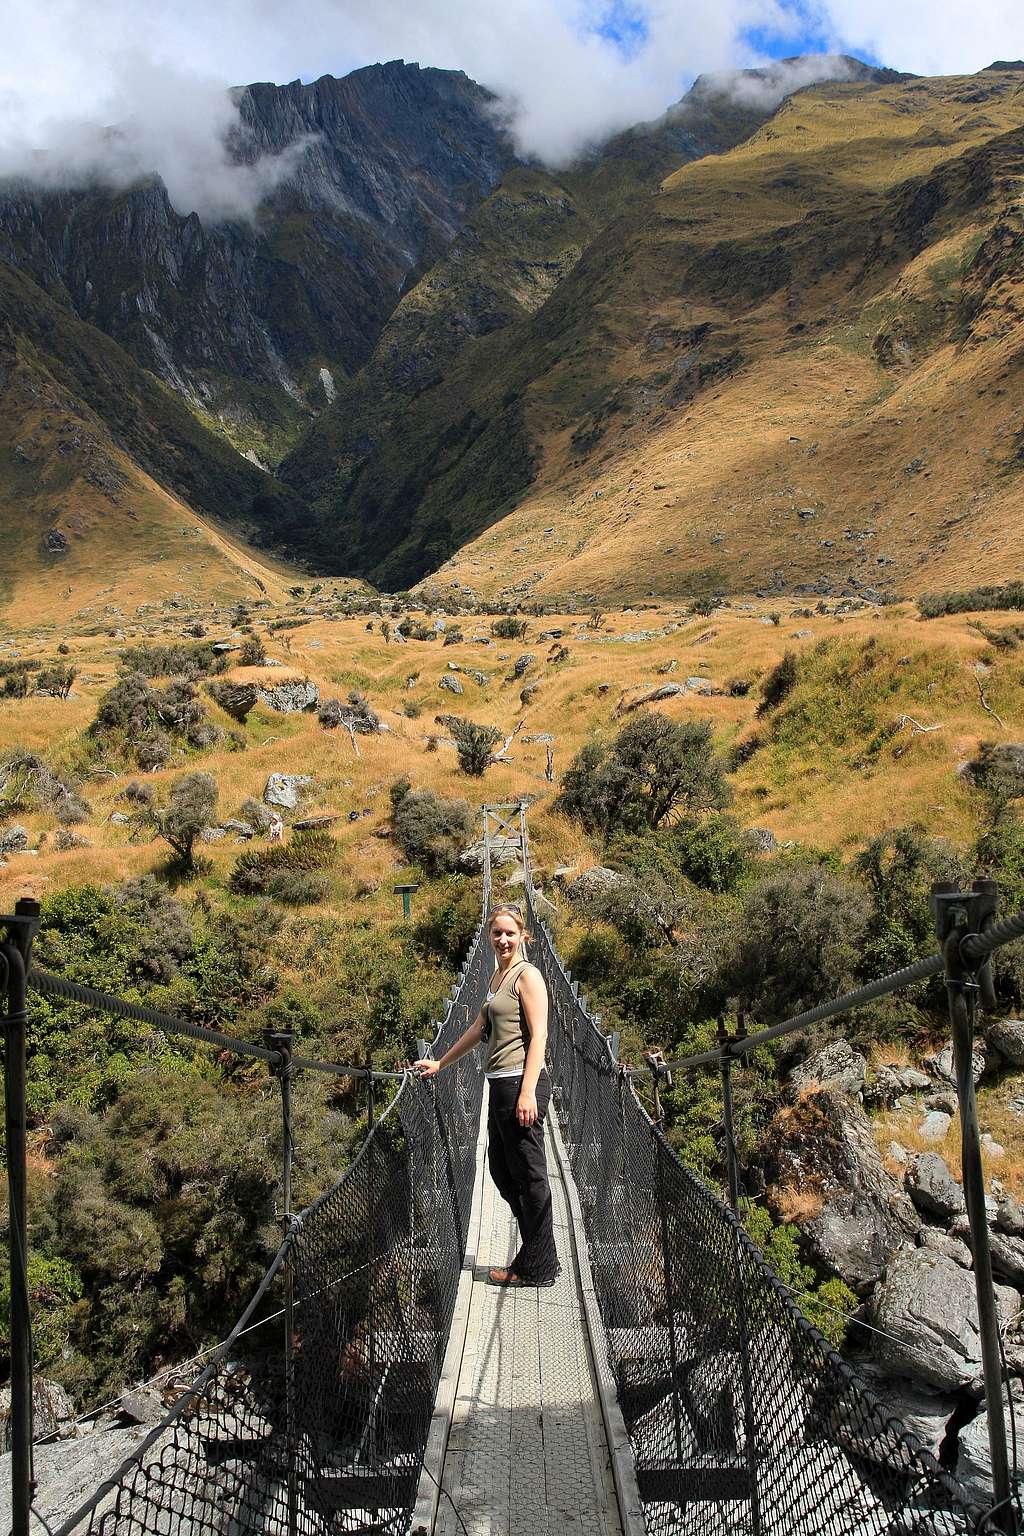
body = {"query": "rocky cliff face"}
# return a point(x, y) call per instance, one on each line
point(257, 325)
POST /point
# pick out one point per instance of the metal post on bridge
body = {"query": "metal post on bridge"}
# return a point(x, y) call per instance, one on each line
point(15, 954)
point(656, 1062)
point(958, 916)
point(282, 1040)
point(727, 1045)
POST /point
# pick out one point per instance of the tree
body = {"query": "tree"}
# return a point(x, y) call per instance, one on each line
point(191, 807)
point(474, 743)
point(653, 768)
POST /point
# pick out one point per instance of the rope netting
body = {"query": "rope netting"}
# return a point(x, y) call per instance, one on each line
point(324, 1430)
point(740, 1416)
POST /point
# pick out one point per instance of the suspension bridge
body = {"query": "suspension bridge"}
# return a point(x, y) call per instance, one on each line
point(668, 1383)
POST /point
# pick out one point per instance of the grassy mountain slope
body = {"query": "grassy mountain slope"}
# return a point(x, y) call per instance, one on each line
point(90, 537)
point(750, 381)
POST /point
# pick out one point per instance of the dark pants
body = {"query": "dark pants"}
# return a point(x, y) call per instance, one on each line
point(515, 1156)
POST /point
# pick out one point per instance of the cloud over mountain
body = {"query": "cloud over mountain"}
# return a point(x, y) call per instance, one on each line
point(109, 90)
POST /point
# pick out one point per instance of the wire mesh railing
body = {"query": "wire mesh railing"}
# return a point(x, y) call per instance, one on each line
point(326, 1434)
point(740, 1415)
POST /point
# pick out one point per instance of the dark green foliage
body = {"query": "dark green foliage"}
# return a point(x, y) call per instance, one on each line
point(414, 629)
point(15, 684)
point(191, 808)
point(474, 744)
point(28, 783)
point(932, 605)
point(779, 683)
point(136, 721)
point(797, 941)
point(357, 715)
point(742, 751)
point(713, 853)
point(252, 652)
point(998, 770)
point(703, 607)
point(57, 680)
point(449, 923)
point(289, 872)
point(453, 636)
point(898, 869)
point(509, 628)
point(828, 1304)
point(431, 831)
point(174, 660)
point(654, 768)
point(164, 942)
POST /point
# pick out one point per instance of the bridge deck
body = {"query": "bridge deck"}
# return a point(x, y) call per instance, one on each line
point(527, 1450)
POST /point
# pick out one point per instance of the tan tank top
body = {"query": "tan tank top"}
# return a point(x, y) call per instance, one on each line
point(505, 1028)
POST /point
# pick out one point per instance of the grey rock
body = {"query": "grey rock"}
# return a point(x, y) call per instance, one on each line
point(927, 1315)
point(52, 1411)
point(935, 1125)
point(836, 1065)
point(540, 736)
point(143, 1406)
point(941, 1064)
point(309, 822)
point(926, 1414)
point(291, 698)
point(974, 1461)
point(913, 1080)
point(212, 834)
point(69, 1471)
point(933, 1188)
point(480, 678)
point(592, 885)
point(1007, 1257)
point(1007, 1035)
point(1009, 1217)
point(865, 1215)
point(944, 1100)
point(503, 851)
point(451, 683)
point(523, 664)
point(15, 839)
point(761, 838)
point(701, 685)
point(944, 1242)
point(285, 789)
point(667, 691)
point(240, 828)
point(883, 1090)
point(119, 818)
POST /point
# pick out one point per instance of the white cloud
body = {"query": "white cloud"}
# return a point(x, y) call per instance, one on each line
point(114, 89)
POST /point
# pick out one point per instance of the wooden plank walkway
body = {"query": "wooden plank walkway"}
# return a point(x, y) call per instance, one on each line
point(527, 1450)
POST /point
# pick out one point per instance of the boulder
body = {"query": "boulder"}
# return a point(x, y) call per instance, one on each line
point(15, 839)
point(935, 1125)
point(1009, 1217)
point(212, 834)
point(450, 682)
point(291, 698)
point(143, 1406)
point(503, 851)
point(945, 1242)
point(523, 664)
point(941, 1064)
point(973, 1460)
point(1007, 1257)
point(241, 829)
point(761, 839)
point(883, 1090)
point(1007, 1035)
point(69, 1471)
point(912, 1080)
point(926, 1414)
point(701, 685)
point(824, 1148)
point(592, 885)
point(933, 1188)
point(927, 1317)
point(53, 1412)
point(836, 1065)
point(285, 789)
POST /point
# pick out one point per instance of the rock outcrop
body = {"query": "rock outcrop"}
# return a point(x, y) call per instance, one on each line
point(927, 1317)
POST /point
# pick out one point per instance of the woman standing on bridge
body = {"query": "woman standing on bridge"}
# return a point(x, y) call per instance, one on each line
point(514, 1023)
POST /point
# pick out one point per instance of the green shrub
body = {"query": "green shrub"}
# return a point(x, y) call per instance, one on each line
point(288, 872)
point(191, 808)
point(713, 853)
point(453, 636)
point(509, 628)
point(430, 830)
point(141, 723)
point(174, 660)
point(28, 783)
point(932, 605)
point(779, 683)
point(252, 653)
point(474, 744)
point(15, 684)
point(56, 680)
point(829, 1304)
point(448, 925)
point(652, 769)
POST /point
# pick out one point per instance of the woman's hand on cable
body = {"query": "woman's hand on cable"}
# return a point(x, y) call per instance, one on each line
point(425, 1067)
point(526, 1108)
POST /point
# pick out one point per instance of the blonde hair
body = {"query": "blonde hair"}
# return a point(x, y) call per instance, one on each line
point(514, 911)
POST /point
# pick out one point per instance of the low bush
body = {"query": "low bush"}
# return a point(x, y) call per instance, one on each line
point(135, 721)
point(191, 808)
point(430, 831)
point(174, 660)
point(474, 744)
point(288, 872)
point(509, 628)
point(28, 783)
point(779, 683)
point(453, 636)
point(653, 768)
point(932, 605)
point(713, 853)
point(56, 680)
